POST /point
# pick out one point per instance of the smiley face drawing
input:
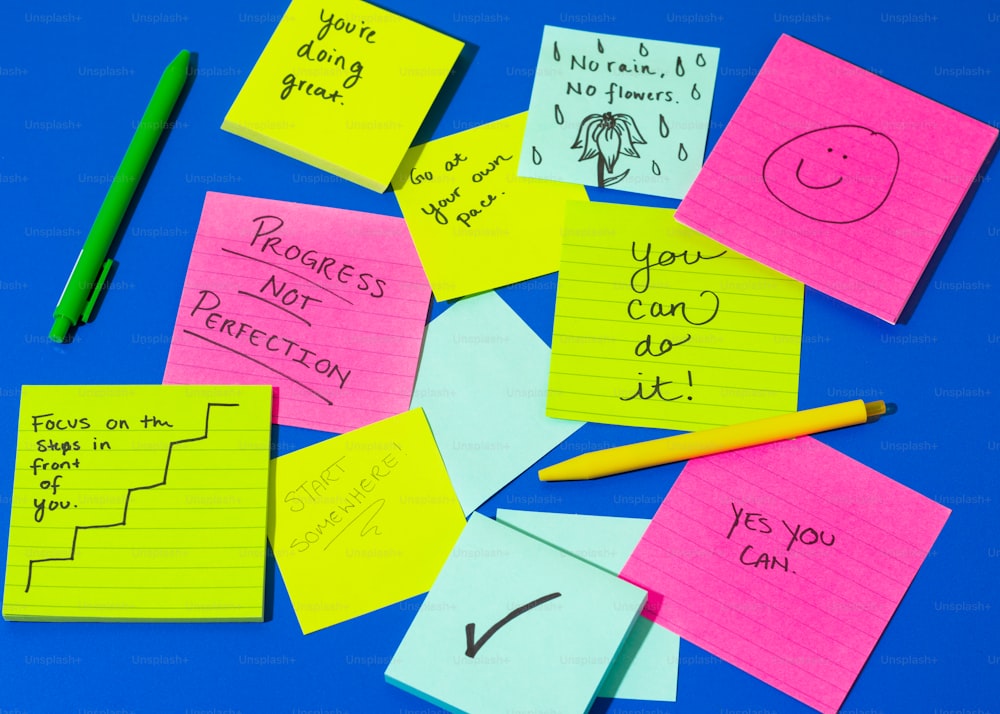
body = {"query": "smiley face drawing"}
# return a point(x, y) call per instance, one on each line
point(836, 174)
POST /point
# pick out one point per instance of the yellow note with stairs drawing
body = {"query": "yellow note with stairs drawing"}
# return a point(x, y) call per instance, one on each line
point(142, 503)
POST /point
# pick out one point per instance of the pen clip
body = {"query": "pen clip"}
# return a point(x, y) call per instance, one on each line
point(96, 291)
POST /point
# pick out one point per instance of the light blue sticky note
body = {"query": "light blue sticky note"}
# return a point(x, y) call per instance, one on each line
point(605, 541)
point(619, 112)
point(482, 381)
point(646, 668)
point(512, 624)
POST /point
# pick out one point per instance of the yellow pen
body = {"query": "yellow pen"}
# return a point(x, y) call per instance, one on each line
point(632, 457)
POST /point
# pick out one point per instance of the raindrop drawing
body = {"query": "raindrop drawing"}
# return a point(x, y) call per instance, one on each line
point(618, 112)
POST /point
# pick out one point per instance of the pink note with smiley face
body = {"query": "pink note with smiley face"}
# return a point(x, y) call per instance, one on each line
point(837, 177)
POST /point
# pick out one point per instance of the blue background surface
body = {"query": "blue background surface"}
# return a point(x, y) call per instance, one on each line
point(74, 78)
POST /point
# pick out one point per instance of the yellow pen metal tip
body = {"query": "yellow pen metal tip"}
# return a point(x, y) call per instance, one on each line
point(874, 409)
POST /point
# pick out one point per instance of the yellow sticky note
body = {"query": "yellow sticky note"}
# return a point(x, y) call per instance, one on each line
point(363, 520)
point(343, 87)
point(477, 225)
point(657, 325)
point(139, 503)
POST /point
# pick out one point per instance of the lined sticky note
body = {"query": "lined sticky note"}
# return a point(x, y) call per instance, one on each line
point(646, 667)
point(363, 520)
point(513, 624)
point(619, 112)
point(657, 325)
point(340, 87)
point(326, 304)
point(482, 383)
point(144, 503)
point(847, 184)
point(461, 197)
point(786, 560)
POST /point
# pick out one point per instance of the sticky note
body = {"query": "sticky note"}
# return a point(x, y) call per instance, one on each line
point(141, 503)
point(476, 224)
point(362, 520)
point(646, 668)
point(619, 112)
point(513, 624)
point(657, 325)
point(786, 560)
point(482, 384)
point(341, 87)
point(847, 184)
point(326, 304)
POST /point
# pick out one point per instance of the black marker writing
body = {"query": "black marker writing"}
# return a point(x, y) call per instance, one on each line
point(638, 311)
point(472, 645)
point(751, 521)
point(641, 276)
point(340, 24)
point(809, 536)
point(655, 390)
point(128, 497)
point(351, 68)
point(757, 523)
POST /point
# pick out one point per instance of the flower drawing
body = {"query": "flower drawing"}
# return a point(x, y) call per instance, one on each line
point(607, 136)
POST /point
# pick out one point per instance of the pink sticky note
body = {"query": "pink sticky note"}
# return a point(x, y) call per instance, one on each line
point(723, 571)
point(328, 305)
point(837, 177)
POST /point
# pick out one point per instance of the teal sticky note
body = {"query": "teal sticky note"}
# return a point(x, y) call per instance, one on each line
point(605, 541)
point(512, 624)
point(482, 381)
point(619, 112)
point(646, 667)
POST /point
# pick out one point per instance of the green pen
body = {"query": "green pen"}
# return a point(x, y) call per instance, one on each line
point(93, 265)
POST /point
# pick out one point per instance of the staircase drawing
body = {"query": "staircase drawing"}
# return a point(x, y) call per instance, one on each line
point(128, 496)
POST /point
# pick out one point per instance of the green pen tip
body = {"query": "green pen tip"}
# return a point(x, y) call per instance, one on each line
point(59, 329)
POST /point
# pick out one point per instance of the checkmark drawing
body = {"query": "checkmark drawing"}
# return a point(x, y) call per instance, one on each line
point(472, 645)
